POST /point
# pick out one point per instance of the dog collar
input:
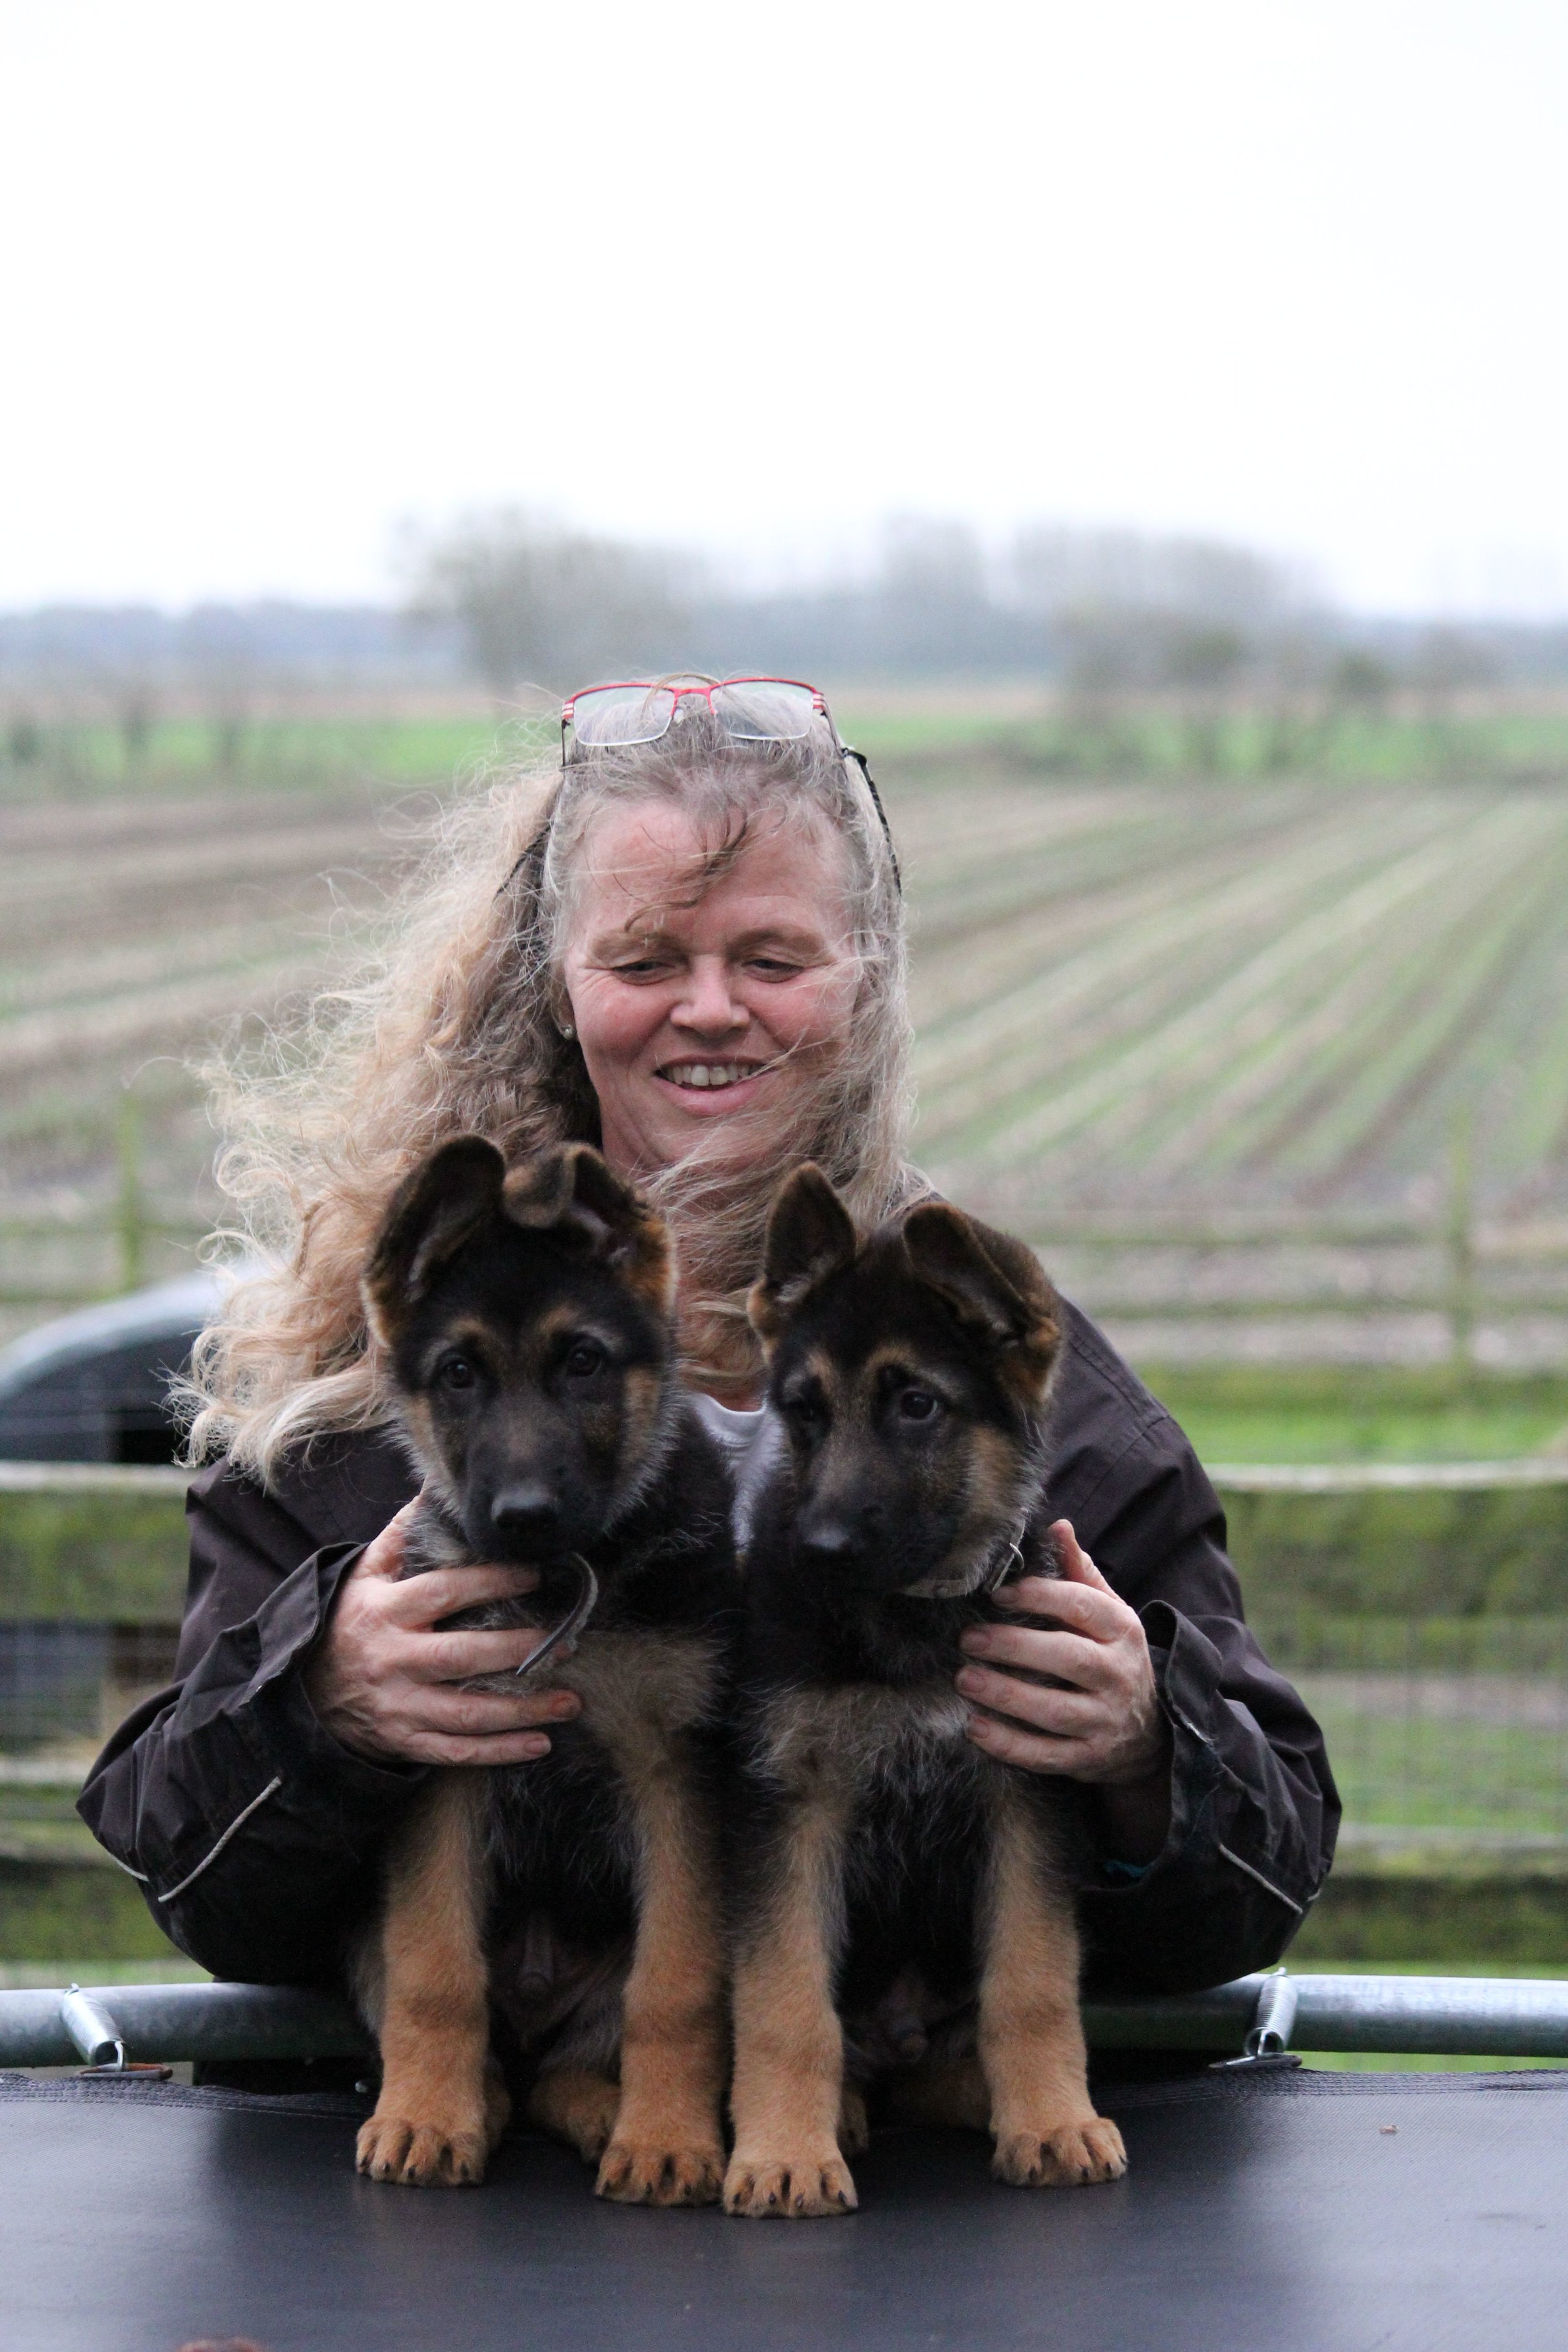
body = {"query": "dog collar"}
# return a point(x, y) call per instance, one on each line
point(962, 1588)
point(576, 1617)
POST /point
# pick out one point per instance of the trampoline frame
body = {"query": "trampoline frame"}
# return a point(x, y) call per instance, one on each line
point(1258, 2017)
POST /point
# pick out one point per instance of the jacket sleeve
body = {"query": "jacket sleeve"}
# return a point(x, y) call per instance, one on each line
point(1254, 1810)
point(253, 1832)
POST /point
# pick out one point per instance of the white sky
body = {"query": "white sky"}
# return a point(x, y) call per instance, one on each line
point(753, 276)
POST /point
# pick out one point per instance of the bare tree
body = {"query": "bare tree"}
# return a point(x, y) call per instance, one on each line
point(1203, 660)
point(540, 604)
point(1055, 570)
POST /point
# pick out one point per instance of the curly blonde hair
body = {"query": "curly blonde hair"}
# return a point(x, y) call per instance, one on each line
point(447, 1021)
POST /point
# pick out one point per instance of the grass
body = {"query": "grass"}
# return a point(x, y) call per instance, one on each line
point(1236, 1413)
point(306, 754)
point(90, 1913)
point(1023, 726)
point(1155, 738)
point(35, 1976)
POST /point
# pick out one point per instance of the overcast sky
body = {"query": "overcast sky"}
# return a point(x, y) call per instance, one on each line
point(753, 276)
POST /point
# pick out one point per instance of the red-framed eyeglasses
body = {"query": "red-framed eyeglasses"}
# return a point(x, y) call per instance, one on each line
point(641, 710)
point(747, 709)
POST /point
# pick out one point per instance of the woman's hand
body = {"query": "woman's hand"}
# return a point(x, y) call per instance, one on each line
point(1106, 1729)
point(385, 1683)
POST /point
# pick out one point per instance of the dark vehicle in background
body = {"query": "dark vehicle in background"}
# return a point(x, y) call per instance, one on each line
point(94, 1386)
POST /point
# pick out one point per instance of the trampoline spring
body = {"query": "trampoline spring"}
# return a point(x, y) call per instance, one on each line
point(1268, 2039)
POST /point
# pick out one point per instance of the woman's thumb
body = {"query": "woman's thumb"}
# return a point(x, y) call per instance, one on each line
point(1071, 1558)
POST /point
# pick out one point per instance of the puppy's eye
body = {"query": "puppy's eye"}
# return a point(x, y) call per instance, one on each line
point(917, 1404)
point(584, 1360)
point(456, 1372)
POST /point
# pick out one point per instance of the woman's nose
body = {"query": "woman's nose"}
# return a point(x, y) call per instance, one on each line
point(708, 1003)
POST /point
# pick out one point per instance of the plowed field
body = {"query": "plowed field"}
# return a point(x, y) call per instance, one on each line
point(1173, 1003)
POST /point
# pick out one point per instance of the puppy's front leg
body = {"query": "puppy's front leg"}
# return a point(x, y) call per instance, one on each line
point(1031, 2032)
point(440, 2110)
point(789, 2045)
point(667, 2147)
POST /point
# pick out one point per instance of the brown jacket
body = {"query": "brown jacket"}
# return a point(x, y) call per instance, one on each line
point(256, 1835)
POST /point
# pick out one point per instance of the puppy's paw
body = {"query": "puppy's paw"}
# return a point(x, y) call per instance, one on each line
point(498, 2108)
point(431, 2155)
point(658, 2175)
point(577, 2107)
point(1061, 2155)
point(853, 2130)
point(790, 2187)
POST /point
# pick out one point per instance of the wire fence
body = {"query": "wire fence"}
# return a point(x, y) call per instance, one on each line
point(65, 1686)
point(1457, 1726)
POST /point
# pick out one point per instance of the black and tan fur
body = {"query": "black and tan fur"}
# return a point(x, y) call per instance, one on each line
point(887, 1872)
point(527, 1318)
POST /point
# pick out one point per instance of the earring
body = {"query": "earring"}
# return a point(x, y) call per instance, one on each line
point(567, 1030)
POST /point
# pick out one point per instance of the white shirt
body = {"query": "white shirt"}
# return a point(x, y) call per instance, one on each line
point(750, 1441)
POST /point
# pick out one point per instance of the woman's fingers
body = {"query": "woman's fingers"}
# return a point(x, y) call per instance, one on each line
point(436, 1748)
point(385, 1683)
point(1106, 1726)
point(1074, 1563)
point(1087, 1665)
point(1066, 1713)
point(1089, 1608)
point(447, 1708)
point(456, 1656)
point(423, 1601)
point(1010, 1745)
point(382, 1556)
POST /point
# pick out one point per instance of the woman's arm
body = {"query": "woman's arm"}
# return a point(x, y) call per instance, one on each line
point(1217, 1810)
point(253, 1812)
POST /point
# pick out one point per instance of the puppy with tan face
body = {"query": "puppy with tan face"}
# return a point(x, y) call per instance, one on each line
point(880, 1863)
point(527, 1318)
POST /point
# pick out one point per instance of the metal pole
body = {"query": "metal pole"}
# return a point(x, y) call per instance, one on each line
point(169, 2022)
point(1501, 2017)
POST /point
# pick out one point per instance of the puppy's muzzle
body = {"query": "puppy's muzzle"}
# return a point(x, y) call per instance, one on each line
point(526, 1514)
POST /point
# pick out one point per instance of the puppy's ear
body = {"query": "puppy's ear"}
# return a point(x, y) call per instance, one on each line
point(810, 1236)
point(996, 1289)
point(432, 1214)
point(573, 1194)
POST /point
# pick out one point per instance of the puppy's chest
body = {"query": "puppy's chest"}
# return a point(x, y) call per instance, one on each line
point(845, 1745)
point(641, 1691)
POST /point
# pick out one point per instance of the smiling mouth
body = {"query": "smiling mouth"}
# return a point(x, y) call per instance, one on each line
point(709, 1077)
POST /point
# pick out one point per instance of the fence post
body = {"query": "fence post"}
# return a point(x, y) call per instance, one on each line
point(129, 1214)
point(1461, 1245)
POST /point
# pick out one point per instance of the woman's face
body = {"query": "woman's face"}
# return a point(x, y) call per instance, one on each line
point(693, 1013)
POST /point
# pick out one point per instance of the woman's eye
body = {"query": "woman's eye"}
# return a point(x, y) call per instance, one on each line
point(585, 1358)
point(919, 1404)
point(456, 1372)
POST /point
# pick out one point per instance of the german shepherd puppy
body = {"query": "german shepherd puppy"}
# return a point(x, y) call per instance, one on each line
point(528, 1321)
point(880, 1862)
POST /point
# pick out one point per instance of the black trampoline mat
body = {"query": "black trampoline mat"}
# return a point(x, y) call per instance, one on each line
point(1269, 2214)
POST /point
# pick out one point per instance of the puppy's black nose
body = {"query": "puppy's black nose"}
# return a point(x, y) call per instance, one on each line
point(526, 1513)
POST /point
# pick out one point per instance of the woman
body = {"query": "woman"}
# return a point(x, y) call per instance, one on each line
point(687, 946)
